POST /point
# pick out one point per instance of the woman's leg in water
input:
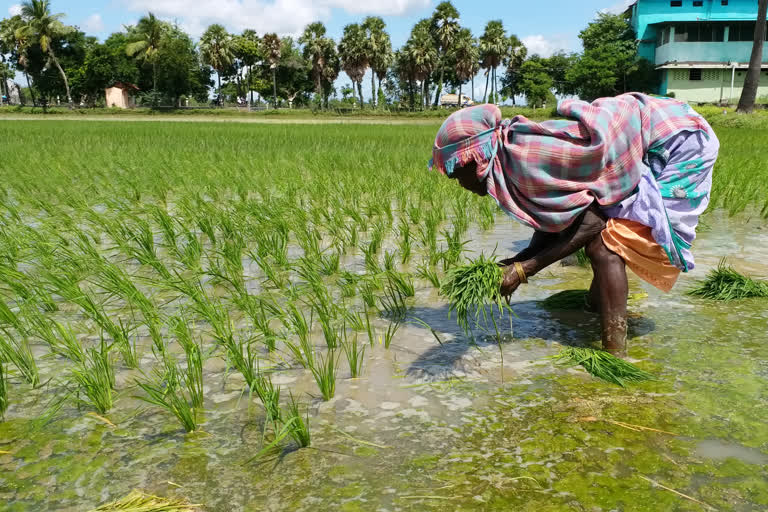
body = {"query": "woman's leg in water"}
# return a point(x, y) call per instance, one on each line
point(611, 290)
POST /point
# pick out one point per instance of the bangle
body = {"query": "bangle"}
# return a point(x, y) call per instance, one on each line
point(521, 272)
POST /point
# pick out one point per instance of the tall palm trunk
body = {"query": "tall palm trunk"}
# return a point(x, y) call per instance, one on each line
point(426, 94)
point(360, 93)
point(752, 81)
point(412, 94)
point(63, 76)
point(487, 77)
point(154, 78)
point(250, 88)
point(29, 86)
point(460, 104)
point(378, 90)
point(274, 87)
point(439, 86)
point(373, 89)
point(473, 88)
point(218, 80)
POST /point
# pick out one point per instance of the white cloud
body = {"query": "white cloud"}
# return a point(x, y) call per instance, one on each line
point(93, 23)
point(286, 17)
point(618, 7)
point(545, 46)
point(14, 9)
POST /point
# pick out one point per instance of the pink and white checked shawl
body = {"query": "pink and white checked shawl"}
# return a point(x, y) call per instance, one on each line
point(546, 174)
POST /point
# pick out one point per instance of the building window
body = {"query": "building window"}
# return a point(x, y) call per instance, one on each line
point(702, 32)
point(698, 3)
point(694, 74)
point(742, 31)
point(676, 3)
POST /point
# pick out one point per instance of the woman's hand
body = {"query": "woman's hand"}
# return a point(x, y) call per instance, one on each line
point(510, 282)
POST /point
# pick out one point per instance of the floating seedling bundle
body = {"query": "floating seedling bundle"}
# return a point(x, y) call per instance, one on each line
point(470, 288)
point(602, 365)
point(724, 283)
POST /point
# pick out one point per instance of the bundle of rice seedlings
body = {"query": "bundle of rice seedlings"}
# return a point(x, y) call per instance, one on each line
point(602, 365)
point(137, 501)
point(724, 283)
point(469, 288)
point(566, 300)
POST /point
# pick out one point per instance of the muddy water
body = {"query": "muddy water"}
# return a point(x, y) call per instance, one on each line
point(451, 427)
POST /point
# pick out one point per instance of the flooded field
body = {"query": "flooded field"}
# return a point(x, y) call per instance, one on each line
point(435, 421)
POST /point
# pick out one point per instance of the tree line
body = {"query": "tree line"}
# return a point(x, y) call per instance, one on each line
point(169, 67)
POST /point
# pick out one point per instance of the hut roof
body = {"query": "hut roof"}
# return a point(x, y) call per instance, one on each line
point(126, 86)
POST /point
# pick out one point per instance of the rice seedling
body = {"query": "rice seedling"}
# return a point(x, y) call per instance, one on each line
point(425, 272)
point(3, 390)
point(393, 301)
point(469, 288)
point(724, 283)
point(389, 261)
point(371, 260)
point(354, 319)
point(329, 264)
point(299, 425)
point(368, 293)
point(355, 354)
point(324, 372)
point(269, 394)
point(165, 392)
point(295, 321)
point(193, 350)
point(16, 351)
point(392, 329)
point(602, 365)
point(487, 214)
point(369, 329)
point(95, 378)
point(59, 338)
point(137, 501)
point(452, 255)
point(404, 242)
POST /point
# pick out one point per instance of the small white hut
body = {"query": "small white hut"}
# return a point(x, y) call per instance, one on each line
point(120, 95)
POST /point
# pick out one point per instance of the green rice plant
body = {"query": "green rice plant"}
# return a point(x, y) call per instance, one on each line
point(402, 282)
point(95, 379)
point(193, 350)
point(369, 329)
point(299, 425)
point(393, 301)
point(724, 283)
point(8, 317)
point(389, 261)
point(241, 356)
point(165, 392)
point(17, 352)
point(404, 242)
point(368, 293)
point(392, 329)
point(460, 213)
point(324, 371)
point(60, 339)
point(347, 283)
point(295, 321)
point(371, 260)
point(269, 394)
point(355, 354)
point(274, 276)
point(582, 259)
point(191, 252)
point(469, 288)
point(262, 321)
point(354, 319)
point(329, 264)
point(427, 273)
point(166, 223)
point(487, 214)
point(422, 323)
point(3, 389)
point(602, 365)
point(137, 501)
point(452, 255)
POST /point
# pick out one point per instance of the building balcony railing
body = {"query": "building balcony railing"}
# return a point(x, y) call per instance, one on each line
point(734, 51)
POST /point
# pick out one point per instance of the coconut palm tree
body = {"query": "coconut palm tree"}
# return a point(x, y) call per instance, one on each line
point(271, 49)
point(45, 28)
point(13, 38)
point(516, 55)
point(316, 47)
point(444, 28)
point(380, 52)
point(466, 57)
point(494, 46)
point(422, 54)
point(217, 51)
point(752, 81)
point(354, 53)
point(146, 38)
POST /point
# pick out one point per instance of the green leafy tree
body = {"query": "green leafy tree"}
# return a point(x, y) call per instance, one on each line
point(180, 72)
point(16, 43)
point(316, 51)
point(466, 58)
point(331, 71)
point(146, 39)
point(270, 45)
point(45, 28)
point(421, 56)
point(535, 81)
point(104, 65)
point(217, 50)
point(379, 52)
point(247, 49)
point(445, 29)
point(354, 54)
point(752, 80)
point(494, 48)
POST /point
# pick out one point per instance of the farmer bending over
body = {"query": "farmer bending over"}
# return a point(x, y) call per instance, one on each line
point(626, 178)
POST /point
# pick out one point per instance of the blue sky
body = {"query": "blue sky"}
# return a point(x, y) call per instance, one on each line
point(543, 25)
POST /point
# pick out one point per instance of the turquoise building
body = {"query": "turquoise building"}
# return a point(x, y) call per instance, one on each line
point(701, 47)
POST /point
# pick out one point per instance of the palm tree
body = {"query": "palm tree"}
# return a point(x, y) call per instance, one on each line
point(752, 81)
point(316, 47)
point(271, 50)
point(44, 28)
point(146, 39)
point(444, 28)
point(494, 47)
point(423, 57)
point(217, 51)
point(331, 70)
point(466, 57)
point(248, 51)
point(516, 55)
point(406, 70)
point(379, 52)
point(12, 37)
point(353, 50)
